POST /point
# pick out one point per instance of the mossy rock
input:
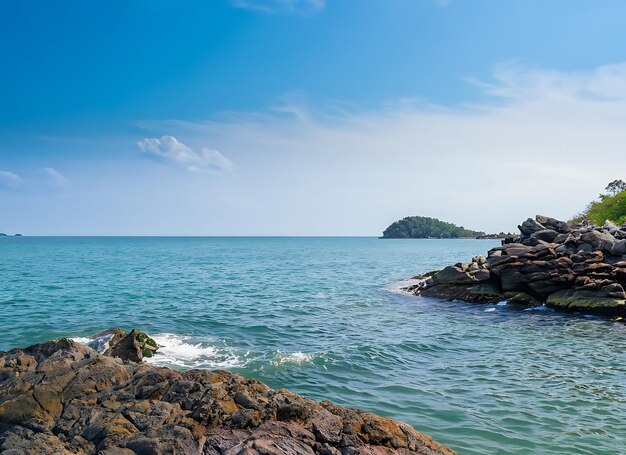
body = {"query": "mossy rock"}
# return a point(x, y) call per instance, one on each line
point(144, 340)
point(570, 299)
point(146, 353)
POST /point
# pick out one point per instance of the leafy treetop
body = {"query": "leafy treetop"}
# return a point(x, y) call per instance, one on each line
point(421, 227)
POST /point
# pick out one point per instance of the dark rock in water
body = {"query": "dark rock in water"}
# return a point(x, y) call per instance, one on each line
point(134, 347)
point(580, 267)
point(454, 275)
point(131, 347)
point(62, 397)
point(583, 300)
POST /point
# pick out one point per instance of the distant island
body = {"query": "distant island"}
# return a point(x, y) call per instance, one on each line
point(423, 227)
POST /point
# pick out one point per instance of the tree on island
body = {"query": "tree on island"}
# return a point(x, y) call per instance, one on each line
point(421, 227)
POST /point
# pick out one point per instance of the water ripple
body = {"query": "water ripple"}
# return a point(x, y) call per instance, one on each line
point(322, 317)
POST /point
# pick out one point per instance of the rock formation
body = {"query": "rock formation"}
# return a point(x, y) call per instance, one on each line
point(62, 397)
point(579, 267)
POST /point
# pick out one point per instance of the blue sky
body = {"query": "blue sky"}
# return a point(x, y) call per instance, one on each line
point(305, 117)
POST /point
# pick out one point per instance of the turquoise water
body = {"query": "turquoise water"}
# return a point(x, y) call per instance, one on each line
point(321, 317)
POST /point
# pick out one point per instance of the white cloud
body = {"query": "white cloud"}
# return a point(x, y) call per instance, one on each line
point(541, 141)
point(10, 179)
point(57, 178)
point(172, 150)
point(281, 6)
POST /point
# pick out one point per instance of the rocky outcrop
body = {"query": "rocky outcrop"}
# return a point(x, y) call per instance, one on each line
point(580, 267)
point(133, 346)
point(62, 397)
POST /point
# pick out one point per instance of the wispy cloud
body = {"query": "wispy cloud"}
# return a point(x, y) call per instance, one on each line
point(281, 6)
point(540, 140)
point(57, 178)
point(172, 150)
point(10, 180)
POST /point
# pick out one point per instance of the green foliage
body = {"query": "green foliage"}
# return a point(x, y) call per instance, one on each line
point(420, 227)
point(615, 187)
point(144, 341)
point(611, 207)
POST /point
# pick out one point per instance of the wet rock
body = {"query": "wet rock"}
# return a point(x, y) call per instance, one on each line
point(133, 347)
point(453, 275)
point(582, 300)
point(62, 397)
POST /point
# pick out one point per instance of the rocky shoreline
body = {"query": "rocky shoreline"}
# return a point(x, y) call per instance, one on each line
point(579, 267)
point(63, 397)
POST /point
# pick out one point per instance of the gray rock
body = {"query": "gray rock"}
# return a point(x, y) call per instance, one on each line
point(602, 241)
point(547, 235)
point(530, 226)
point(453, 275)
point(552, 223)
point(619, 248)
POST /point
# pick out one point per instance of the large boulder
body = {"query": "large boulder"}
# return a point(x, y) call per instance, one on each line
point(453, 275)
point(553, 223)
point(547, 235)
point(134, 347)
point(599, 241)
point(581, 300)
point(530, 226)
point(131, 347)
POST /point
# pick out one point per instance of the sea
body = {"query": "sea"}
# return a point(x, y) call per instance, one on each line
point(326, 318)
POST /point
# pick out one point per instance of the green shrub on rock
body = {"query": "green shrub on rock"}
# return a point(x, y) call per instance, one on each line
point(610, 206)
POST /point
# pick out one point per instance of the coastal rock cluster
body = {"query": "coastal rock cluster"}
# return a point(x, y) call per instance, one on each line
point(62, 397)
point(573, 267)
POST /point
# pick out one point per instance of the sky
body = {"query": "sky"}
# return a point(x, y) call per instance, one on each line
point(305, 117)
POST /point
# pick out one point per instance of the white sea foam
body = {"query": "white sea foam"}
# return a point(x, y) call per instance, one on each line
point(203, 352)
point(81, 340)
point(489, 310)
point(100, 344)
point(282, 358)
point(400, 286)
point(189, 352)
point(503, 303)
point(538, 308)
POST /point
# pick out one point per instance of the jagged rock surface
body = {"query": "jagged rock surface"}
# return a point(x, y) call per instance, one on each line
point(580, 267)
point(62, 397)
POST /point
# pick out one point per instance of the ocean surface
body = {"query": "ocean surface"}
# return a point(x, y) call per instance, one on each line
point(324, 318)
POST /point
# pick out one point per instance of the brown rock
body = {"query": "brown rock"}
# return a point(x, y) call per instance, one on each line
point(95, 404)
